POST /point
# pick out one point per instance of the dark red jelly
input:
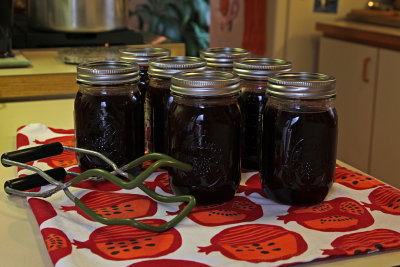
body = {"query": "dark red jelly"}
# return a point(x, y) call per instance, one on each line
point(157, 104)
point(144, 80)
point(158, 99)
point(298, 155)
point(252, 104)
point(111, 124)
point(207, 136)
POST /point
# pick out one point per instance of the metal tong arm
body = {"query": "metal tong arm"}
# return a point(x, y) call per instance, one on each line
point(19, 157)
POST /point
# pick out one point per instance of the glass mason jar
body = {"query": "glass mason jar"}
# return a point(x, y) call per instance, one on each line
point(158, 97)
point(141, 56)
point(222, 58)
point(299, 138)
point(108, 114)
point(253, 73)
point(204, 131)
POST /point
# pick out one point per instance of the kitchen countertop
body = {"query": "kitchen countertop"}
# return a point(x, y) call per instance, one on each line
point(364, 33)
point(48, 76)
point(22, 243)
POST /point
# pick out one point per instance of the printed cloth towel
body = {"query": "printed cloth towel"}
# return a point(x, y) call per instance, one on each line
point(360, 215)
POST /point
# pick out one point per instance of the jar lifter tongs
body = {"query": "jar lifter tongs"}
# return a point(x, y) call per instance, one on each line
point(54, 176)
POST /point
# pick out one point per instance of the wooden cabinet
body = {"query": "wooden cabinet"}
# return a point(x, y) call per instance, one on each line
point(385, 150)
point(354, 67)
point(367, 92)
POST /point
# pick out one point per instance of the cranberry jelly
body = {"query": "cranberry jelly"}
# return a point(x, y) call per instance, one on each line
point(254, 73)
point(252, 104)
point(144, 80)
point(298, 155)
point(158, 99)
point(157, 105)
point(208, 138)
point(111, 124)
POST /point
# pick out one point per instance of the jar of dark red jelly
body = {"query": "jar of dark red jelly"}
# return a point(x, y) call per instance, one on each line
point(253, 73)
point(204, 131)
point(141, 56)
point(108, 113)
point(222, 58)
point(299, 137)
point(158, 97)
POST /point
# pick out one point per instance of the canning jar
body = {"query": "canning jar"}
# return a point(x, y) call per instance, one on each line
point(204, 131)
point(141, 56)
point(108, 113)
point(299, 138)
point(158, 97)
point(253, 73)
point(222, 58)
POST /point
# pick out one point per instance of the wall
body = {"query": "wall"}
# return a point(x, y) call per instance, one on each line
point(293, 36)
point(289, 25)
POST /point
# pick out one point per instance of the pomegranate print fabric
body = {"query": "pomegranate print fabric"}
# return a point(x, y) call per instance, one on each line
point(360, 215)
point(257, 243)
point(120, 242)
point(239, 209)
point(337, 215)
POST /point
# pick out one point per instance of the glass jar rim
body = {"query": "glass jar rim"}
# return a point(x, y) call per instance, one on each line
point(168, 66)
point(142, 55)
point(205, 83)
point(301, 85)
point(223, 56)
point(260, 68)
point(107, 72)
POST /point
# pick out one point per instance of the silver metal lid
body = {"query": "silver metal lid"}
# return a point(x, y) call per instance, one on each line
point(301, 85)
point(205, 83)
point(223, 56)
point(107, 72)
point(166, 67)
point(260, 68)
point(141, 55)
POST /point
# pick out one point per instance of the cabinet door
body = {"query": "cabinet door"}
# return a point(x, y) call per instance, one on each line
point(354, 67)
point(385, 156)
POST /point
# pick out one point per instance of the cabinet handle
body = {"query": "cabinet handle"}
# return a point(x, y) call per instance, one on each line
point(365, 69)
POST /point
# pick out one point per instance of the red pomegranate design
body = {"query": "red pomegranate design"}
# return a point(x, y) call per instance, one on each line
point(57, 243)
point(168, 263)
point(355, 180)
point(385, 199)
point(61, 131)
point(43, 209)
point(257, 243)
point(121, 242)
point(252, 185)
point(161, 181)
point(363, 242)
point(239, 209)
point(67, 158)
point(337, 215)
point(98, 185)
point(117, 205)
point(147, 163)
point(22, 140)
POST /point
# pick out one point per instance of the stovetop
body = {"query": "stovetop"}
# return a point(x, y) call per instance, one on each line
point(26, 37)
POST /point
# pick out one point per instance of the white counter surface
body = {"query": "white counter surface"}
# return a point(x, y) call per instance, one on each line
point(22, 243)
